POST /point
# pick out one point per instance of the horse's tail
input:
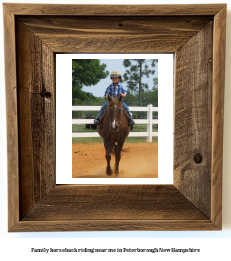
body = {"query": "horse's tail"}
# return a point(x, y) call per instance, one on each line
point(113, 148)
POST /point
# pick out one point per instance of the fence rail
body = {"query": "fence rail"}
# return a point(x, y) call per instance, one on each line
point(149, 121)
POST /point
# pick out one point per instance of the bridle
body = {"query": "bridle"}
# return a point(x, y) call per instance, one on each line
point(114, 114)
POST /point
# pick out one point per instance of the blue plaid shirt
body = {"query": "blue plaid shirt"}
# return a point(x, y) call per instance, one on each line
point(114, 90)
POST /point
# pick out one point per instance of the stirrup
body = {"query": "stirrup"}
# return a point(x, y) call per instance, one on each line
point(131, 122)
point(97, 121)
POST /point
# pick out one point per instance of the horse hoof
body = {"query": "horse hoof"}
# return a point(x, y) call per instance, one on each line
point(117, 176)
point(109, 172)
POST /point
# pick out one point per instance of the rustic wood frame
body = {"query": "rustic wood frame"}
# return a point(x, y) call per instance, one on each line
point(33, 34)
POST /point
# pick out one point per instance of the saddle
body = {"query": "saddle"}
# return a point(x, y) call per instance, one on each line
point(101, 116)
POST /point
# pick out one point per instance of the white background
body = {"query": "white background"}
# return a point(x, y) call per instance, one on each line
point(214, 245)
point(64, 120)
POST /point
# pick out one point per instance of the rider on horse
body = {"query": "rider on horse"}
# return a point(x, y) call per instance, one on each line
point(114, 90)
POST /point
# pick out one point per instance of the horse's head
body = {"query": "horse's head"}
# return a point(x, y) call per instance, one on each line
point(115, 112)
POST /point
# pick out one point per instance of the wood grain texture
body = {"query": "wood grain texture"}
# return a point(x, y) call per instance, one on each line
point(113, 202)
point(218, 114)
point(113, 207)
point(194, 201)
point(114, 10)
point(193, 113)
point(101, 34)
point(114, 225)
point(35, 66)
point(12, 122)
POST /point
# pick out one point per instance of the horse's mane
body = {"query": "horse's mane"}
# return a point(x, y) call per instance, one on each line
point(115, 100)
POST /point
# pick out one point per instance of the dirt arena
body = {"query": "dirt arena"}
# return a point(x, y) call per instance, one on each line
point(138, 160)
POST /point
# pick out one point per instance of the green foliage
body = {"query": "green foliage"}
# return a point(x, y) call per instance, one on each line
point(137, 69)
point(151, 97)
point(148, 97)
point(86, 72)
point(98, 101)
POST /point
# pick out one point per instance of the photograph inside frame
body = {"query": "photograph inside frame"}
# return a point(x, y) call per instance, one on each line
point(116, 119)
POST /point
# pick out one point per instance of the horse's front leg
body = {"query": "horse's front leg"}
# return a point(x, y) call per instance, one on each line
point(118, 155)
point(108, 156)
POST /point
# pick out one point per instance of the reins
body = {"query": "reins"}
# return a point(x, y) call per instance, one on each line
point(113, 116)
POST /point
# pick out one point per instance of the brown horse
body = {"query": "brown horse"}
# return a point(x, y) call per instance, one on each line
point(115, 130)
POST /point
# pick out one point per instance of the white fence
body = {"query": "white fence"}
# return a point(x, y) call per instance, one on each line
point(149, 121)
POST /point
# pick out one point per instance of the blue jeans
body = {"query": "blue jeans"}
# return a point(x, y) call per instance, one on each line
point(106, 104)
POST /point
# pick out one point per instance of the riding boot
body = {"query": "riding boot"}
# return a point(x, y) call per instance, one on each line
point(129, 119)
point(99, 119)
point(130, 122)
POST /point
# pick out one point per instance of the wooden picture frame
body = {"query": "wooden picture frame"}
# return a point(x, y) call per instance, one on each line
point(33, 34)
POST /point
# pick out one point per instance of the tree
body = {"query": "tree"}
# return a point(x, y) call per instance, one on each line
point(151, 96)
point(86, 72)
point(137, 69)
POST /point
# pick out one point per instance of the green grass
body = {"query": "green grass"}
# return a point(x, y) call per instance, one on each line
point(87, 140)
point(81, 128)
point(137, 128)
point(100, 140)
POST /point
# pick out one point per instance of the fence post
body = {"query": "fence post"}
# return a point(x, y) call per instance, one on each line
point(149, 125)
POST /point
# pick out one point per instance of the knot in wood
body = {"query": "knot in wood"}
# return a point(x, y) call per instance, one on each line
point(45, 94)
point(198, 158)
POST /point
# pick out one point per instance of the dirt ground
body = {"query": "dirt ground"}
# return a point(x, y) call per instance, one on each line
point(138, 160)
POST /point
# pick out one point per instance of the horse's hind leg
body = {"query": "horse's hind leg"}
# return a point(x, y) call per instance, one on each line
point(108, 157)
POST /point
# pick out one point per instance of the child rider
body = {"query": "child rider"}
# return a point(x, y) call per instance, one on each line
point(115, 90)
